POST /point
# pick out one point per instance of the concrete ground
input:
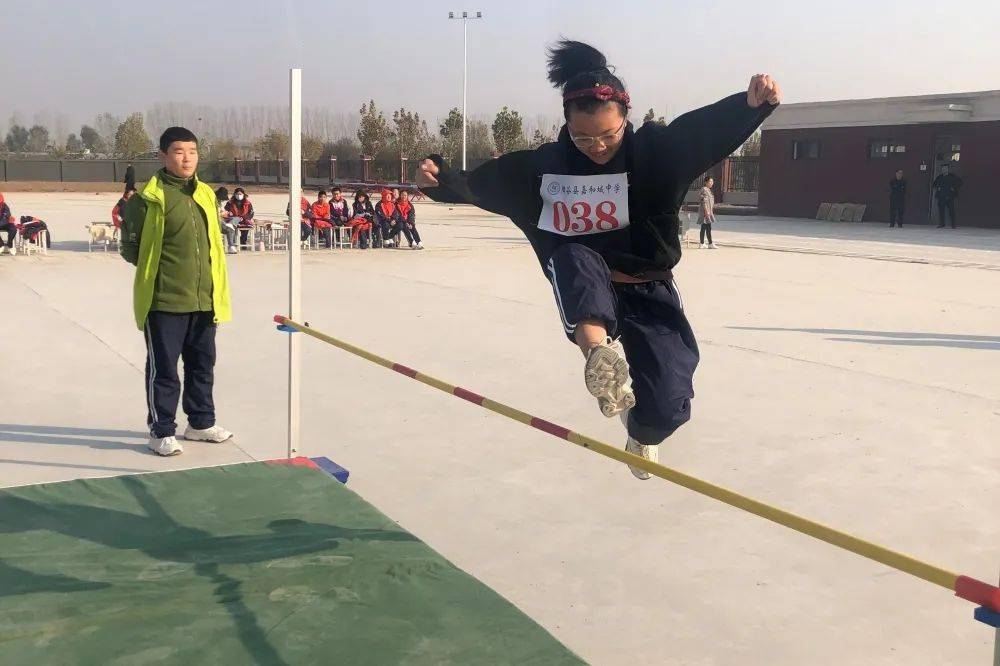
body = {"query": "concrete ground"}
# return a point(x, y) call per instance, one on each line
point(839, 380)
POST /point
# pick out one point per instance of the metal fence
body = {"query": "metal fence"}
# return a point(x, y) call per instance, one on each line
point(237, 171)
point(90, 171)
point(735, 174)
point(743, 174)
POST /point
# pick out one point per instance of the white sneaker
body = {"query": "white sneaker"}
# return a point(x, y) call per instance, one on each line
point(13, 251)
point(650, 453)
point(419, 246)
point(703, 246)
point(232, 249)
point(606, 376)
point(165, 446)
point(388, 243)
point(215, 434)
point(712, 246)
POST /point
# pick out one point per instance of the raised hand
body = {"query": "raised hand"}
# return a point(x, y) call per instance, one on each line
point(763, 89)
point(427, 174)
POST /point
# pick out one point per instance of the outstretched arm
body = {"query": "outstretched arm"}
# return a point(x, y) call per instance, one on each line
point(503, 185)
point(703, 137)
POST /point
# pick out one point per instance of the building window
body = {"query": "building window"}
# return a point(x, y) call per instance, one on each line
point(879, 149)
point(806, 149)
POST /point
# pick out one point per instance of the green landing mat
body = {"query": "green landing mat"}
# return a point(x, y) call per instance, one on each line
point(244, 564)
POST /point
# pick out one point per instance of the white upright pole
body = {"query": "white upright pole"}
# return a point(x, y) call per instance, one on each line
point(294, 257)
point(465, 85)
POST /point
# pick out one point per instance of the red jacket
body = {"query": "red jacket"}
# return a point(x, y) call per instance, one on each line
point(320, 211)
point(5, 214)
point(307, 213)
point(406, 213)
point(243, 209)
point(118, 212)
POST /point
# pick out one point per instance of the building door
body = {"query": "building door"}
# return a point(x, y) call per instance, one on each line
point(947, 153)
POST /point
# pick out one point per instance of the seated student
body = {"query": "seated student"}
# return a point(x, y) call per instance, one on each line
point(305, 219)
point(340, 210)
point(229, 228)
point(386, 219)
point(364, 218)
point(408, 220)
point(32, 230)
point(321, 218)
point(7, 226)
point(241, 212)
point(119, 209)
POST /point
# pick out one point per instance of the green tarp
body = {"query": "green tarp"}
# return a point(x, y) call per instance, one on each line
point(243, 564)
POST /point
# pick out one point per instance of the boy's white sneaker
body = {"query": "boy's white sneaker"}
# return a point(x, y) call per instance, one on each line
point(165, 446)
point(215, 434)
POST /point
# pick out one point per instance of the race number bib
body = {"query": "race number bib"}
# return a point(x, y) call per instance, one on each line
point(580, 205)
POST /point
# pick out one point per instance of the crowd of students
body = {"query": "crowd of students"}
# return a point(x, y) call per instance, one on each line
point(371, 225)
point(382, 224)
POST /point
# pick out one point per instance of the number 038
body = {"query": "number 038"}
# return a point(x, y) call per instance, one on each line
point(577, 218)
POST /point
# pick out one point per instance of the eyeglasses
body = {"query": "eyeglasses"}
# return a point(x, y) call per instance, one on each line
point(587, 142)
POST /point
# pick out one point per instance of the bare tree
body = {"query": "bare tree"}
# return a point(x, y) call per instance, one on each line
point(751, 147)
point(107, 126)
point(73, 144)
point(38, 139)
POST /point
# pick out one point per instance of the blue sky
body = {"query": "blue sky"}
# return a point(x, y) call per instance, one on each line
point(123, 57)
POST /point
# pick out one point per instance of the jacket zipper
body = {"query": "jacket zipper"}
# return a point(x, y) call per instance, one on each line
point(197, 247)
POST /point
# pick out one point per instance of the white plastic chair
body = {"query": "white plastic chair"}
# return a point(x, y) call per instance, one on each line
point(26, 247)
point(342, 237)
point(108, 241)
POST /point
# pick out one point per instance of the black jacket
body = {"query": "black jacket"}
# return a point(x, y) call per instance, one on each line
point(897, 191)
point(364, 209)
point(336, 216)
point(381, 218)
point(946, 186)
point(660, 163)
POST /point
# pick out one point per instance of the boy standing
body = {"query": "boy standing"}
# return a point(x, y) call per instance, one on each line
point(181, 291)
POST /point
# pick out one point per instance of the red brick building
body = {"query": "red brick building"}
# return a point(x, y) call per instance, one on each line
point(847, 151)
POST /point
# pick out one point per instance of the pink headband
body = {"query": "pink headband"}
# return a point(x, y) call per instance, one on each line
point(602, 92)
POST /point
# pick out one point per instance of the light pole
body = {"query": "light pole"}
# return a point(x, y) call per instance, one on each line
point(465, 72)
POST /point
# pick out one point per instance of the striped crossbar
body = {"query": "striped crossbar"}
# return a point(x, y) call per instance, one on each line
point(964, 587)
